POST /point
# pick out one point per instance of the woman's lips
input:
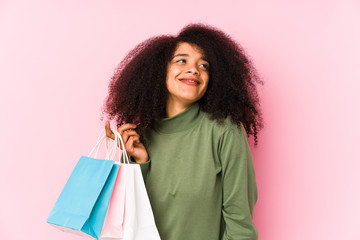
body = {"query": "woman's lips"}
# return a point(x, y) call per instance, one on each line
point(190, 82)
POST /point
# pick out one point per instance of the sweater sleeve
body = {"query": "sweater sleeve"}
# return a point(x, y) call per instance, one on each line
point(239, 185)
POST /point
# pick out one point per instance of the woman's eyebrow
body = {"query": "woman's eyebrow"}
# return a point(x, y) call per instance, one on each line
point(186, 55)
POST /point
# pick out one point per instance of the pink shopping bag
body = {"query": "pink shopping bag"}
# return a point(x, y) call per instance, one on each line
point(113, 227)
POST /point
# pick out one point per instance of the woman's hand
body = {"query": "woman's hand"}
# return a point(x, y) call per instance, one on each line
point(131, 140)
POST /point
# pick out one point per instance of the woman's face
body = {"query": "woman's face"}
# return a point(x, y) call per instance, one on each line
point(187, 74)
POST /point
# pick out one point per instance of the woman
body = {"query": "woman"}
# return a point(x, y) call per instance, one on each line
point(185, 106)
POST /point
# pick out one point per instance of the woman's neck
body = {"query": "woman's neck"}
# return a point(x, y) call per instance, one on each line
point(173, 108)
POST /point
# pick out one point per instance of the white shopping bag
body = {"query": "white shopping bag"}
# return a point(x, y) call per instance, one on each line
point(139, 221)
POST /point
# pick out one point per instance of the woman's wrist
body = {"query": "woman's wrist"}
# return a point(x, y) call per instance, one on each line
point(141, 160)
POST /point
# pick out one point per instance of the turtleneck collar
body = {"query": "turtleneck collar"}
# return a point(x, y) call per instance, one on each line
point(181, 121)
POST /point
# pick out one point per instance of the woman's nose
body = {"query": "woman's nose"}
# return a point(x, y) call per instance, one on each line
point(193, 70)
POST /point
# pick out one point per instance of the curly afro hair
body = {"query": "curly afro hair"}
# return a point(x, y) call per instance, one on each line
point(138, 93)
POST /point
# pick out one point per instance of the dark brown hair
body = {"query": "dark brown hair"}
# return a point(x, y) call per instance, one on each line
point(138, 93)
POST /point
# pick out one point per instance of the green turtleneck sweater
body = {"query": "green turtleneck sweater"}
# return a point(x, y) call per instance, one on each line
point(200, 178)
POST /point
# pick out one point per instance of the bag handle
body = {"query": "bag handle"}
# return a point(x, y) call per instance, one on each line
point(110, 153)
point(118, 141)
point(96, 148)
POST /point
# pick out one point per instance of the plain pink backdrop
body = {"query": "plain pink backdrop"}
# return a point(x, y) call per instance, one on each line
point(56, 58)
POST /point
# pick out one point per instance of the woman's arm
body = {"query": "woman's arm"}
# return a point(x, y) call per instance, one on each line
point(133, 145)
point(239, 185)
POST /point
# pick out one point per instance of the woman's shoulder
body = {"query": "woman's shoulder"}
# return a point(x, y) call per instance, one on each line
point(222, 126)
point(226, 133)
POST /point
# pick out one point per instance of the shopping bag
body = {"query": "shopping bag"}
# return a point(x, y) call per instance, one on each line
point(82, 204)
point(137, 221)
point(113, 227)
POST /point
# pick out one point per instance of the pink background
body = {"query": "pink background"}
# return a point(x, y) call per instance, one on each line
point(56, 58)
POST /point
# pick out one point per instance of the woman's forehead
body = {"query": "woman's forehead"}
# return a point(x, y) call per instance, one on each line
point(188, 48)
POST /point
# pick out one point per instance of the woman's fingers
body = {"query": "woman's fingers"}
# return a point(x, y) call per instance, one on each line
point(130, 145)
point(130, 137)
point(132, 142)
point(125, 127)
point(128, 134)
point(136, 139)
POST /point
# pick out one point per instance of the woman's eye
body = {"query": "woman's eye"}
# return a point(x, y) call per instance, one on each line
point(181, 60)
point(205, 66)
